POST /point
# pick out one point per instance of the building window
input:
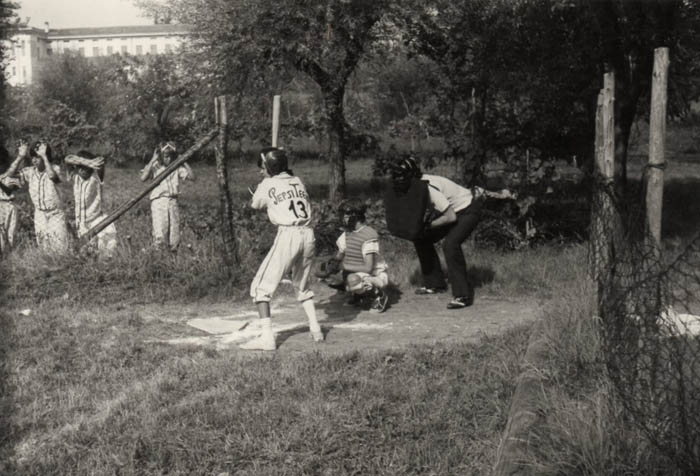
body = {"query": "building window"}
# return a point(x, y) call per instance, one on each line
point(168, 48)
point(95, 51)
point(24, 73)
point(81, 51)
point(14, 71)
point(139, 49)
point(154, 49)
point(124, 49)
point(110, 50)
point(22, 47)
point(49, 51)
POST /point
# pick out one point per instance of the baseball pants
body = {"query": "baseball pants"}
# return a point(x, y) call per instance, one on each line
point(293, 250)
point(165, 215)
point(51, 230)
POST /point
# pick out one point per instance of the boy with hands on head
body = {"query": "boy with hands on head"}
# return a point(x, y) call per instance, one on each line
point(165, 212)
point(41, 178)
point(88, 178)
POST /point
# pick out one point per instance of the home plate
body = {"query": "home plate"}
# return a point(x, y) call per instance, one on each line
point(217, 325)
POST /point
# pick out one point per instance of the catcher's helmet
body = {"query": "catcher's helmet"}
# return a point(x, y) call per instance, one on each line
point(351, 212)
point(273, 160)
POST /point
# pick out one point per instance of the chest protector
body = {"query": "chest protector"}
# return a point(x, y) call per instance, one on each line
point(353, 245)
point(405, 212)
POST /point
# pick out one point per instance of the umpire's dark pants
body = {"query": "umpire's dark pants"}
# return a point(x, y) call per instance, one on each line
point(454, 234)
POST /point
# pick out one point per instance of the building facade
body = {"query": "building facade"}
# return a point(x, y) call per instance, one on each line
point(28, 47)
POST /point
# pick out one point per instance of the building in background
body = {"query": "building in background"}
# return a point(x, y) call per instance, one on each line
point(28, 47)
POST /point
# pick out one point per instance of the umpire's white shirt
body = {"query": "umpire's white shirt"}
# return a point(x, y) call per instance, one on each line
point(285, 198)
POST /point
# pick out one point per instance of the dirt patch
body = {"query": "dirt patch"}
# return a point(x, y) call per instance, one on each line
point(409, 320)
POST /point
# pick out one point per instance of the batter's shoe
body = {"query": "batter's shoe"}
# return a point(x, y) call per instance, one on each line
point(265, 341)
point(426, 290)
point(317, 336)
point(460, 302)
point(379, 303)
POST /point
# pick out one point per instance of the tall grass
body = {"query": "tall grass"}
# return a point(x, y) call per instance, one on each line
point(584, 430)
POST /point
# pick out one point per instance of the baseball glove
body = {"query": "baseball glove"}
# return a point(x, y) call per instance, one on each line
point(328, 267)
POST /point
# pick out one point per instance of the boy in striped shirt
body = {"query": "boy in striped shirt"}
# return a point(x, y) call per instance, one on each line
point(87, 191)
point(165, 213)
point(358, 250)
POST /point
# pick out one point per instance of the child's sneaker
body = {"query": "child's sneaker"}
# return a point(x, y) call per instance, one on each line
point(263, 342)
point(317, 336)
point(380, 302)
point(354, 300)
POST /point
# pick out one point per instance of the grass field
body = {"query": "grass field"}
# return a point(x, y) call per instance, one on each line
point(83, 392)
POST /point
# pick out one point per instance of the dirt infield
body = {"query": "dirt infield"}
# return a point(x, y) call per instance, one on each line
point(409, 320)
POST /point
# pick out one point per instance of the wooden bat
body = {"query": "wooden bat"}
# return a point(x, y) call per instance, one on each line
point(275, 119)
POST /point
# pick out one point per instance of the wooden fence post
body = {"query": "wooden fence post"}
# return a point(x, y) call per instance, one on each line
point(657, 133)
point(225, 206)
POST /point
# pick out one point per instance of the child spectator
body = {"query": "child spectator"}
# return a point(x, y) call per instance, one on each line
point(165, 213)
point(88, 178)
point(287, 203)
point(41, 178)
point(8, 210)
point(358, 250)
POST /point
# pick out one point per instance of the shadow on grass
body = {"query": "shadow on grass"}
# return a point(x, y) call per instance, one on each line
point(8, 435)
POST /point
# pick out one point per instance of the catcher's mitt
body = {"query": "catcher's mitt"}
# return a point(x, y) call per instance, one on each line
point(328, 267)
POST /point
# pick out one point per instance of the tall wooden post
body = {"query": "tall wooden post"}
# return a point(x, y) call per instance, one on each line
point(657, 133)
point(225, 206)
point(605, 221)
point(275, 119)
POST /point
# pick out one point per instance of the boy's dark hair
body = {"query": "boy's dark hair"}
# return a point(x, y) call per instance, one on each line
point(274, 160)
point(35, 146)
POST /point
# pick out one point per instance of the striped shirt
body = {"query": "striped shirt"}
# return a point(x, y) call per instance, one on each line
point(88, 199)
point(358, 244)
point(42, 190)
point(170, 186)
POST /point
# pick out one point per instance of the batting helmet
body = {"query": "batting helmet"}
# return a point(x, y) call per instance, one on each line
point(273, 160)
point(351, 212)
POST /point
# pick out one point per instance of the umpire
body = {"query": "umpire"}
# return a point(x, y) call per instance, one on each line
point(458, 210)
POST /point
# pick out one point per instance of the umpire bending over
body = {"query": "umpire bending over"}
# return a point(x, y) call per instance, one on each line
point(459, 210)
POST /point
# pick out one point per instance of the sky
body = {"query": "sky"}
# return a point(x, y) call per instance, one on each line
point(80, 13)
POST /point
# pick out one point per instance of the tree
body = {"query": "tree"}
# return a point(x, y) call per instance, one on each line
point(247, 39)
point(8, 20)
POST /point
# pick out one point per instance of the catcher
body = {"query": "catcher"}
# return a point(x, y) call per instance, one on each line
point(364, 269)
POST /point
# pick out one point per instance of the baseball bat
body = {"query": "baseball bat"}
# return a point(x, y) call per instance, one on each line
point(109, 219)
point(275, 119)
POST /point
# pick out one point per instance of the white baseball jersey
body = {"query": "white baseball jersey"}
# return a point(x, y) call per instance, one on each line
point(293, 250)
point(285, 198)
